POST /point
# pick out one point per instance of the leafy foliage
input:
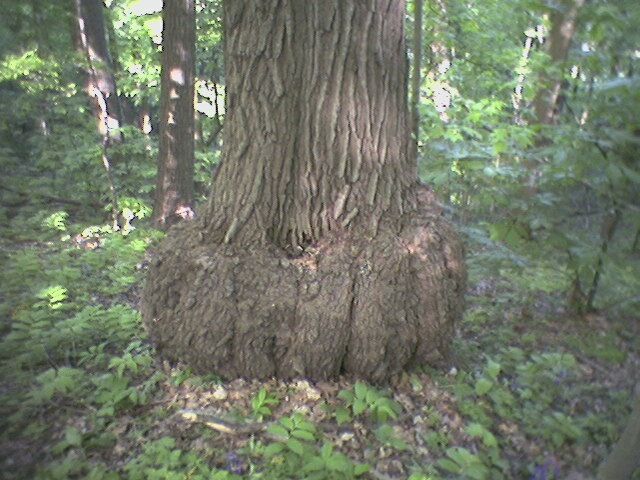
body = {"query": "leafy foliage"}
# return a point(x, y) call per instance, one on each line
point(297, 454)
point(366, 399)
point(261, 402)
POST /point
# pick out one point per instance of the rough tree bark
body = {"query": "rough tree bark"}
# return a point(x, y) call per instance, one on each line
point(624, 460)
point(564, 21)
point(174, 186)
point(318, 253)
point(416, 77)
point(90, 38)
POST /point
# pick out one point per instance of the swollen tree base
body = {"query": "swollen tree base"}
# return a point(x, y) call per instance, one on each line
point(368, 307)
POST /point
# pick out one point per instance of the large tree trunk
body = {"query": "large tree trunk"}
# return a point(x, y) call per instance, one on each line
point(90, 38)
point(319, 253)
point(174, 187)
point(563, 26)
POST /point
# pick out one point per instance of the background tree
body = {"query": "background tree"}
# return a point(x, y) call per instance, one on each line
point(416, 76)
point(174, 184)
point(563, 22)
point(91, 40)
point(318, 253)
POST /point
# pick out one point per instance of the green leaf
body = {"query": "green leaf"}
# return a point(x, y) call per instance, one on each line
point(295, 446)
point(326, 450)
point(288, 423)
point(338, 462)
point(305, 425)
point(475, 430)
point(489, 440)
point(360, 469)
point(387, 408)
point(315, 464)
point(346, 395)
point(449, 465)
point(483, 386)
point(493, 369)
point(359, 406)
point(342, 415)
point(303, 435)
point(371, 396)
point(278, 431)
point(361, 390)
point(273, 449)
point(477, 471)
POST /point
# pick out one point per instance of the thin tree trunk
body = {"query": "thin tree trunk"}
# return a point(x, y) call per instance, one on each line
point(42, 40)
point(564, 21)
point(100, 82)
point(217, 118)
point(416, 78)
point(608, 229)
point(440, 63)
point(108, 167)
point(90, 39)
point(522, 70)
point(174, 186)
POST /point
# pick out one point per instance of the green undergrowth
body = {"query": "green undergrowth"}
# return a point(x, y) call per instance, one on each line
point(83, 395)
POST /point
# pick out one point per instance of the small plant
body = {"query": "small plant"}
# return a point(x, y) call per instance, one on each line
point(260, 404)
point(53, 297)
point(162, 460)
point(560, 429)
point(295, 453)
point(462, 462)
point(386, 435)
point(330, 465)
point(136, 359)
point(64, 381)
point(486, 382)
point(436, 440)
point(178, 377)
point(56, 221)
point(478, 431)
point(291, 430)
point(363, 399)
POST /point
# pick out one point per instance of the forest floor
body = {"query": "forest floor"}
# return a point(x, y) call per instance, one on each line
point(531, 392)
